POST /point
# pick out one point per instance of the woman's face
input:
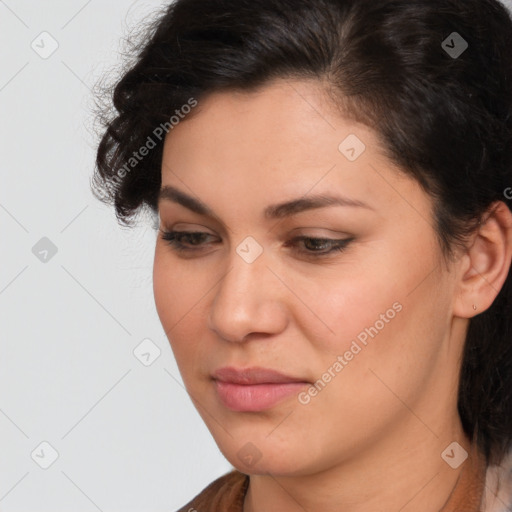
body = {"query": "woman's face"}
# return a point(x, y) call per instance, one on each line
point(370, 324)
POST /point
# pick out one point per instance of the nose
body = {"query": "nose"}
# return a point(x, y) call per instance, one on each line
point(249, 299)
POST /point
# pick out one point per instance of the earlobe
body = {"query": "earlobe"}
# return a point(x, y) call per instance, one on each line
point(488, 262)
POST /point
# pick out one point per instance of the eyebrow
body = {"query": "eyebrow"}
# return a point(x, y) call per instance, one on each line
point(276, 211)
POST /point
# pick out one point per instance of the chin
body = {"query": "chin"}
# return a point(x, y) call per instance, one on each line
point(260, 456)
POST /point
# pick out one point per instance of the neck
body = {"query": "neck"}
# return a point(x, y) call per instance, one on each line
point(470, 486)
point(407, 474)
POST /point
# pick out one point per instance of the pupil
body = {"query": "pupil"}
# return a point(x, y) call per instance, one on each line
point(315, 244)
point(196, 238)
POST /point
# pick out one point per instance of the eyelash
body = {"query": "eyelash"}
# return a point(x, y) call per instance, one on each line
point(174, 239)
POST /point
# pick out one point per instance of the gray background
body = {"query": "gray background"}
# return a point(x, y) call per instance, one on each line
point(127, 436)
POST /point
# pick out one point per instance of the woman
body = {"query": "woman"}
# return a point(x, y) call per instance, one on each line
point(332, 269)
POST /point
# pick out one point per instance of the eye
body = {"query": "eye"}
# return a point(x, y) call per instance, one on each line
point(182, 241)
point(318, 247)
point(194, 241)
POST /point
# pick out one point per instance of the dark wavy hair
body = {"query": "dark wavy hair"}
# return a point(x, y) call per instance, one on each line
point(444, 118)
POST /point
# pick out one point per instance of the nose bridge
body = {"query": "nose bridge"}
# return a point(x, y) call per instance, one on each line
point(247, 299)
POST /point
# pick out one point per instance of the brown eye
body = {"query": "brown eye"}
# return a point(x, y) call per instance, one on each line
point(185, 240)
point(319, 246)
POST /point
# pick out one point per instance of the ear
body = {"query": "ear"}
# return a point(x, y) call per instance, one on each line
point(486, 263)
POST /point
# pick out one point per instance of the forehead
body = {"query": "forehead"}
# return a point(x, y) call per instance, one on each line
point(285, 139)
point(289, 123)
point(280, 112)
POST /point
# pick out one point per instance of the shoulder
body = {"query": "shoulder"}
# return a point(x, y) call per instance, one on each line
point(226, 493)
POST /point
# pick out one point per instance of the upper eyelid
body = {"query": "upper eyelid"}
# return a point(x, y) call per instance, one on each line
point(198, 227)
point(335, 245)
point(347, 239)
point(317, 237)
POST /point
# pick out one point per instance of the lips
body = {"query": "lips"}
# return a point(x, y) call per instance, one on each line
point(254, 375)
point(254, 389)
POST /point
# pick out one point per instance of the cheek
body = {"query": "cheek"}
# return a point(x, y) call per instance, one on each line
point(345, 303)
point(178, 300)
point(165, 285)
point(177, 290)
point(386, 336)
point(376, 314)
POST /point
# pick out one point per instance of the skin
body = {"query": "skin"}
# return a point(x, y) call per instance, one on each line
point(372, 439)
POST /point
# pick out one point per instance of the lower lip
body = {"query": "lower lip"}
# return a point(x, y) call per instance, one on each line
point(257, 397)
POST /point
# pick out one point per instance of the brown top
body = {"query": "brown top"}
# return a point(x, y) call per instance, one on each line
point(227, 493)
